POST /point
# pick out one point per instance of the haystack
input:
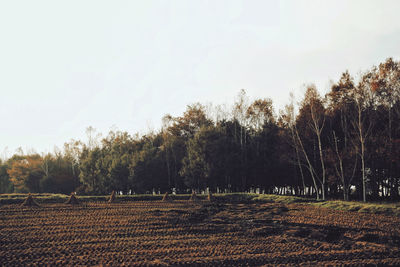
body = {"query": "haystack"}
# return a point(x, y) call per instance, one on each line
point(166, 197)
point(210, 197)
point(72, 200)
point(29, 201)
point(193, 197)
point(112, 197)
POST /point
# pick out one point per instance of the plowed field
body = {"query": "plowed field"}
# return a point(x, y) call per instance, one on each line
point(181, 233)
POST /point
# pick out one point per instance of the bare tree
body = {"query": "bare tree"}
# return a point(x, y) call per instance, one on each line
point(312, 116)
point(239, 113)
point(290, 121)
point(363, 124)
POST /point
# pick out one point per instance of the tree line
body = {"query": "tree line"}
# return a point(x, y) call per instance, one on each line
point(345, 144)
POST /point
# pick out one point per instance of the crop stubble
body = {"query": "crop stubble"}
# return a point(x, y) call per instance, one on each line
point(182, 233)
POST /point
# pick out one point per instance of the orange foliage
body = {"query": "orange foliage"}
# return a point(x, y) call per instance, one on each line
point(25, 171)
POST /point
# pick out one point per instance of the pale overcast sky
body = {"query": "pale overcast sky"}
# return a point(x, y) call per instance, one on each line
point(67, 65)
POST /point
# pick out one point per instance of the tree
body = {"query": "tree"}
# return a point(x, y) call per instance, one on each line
point(311, 121)
point(288, 120)
point(25, 172)
point(5, 183)
point(260, 112)
point(72, 152)
point(240, 109)
point(343, 159)
point(193, 118)
point(198, 164)
point(385, 85)
point(91, 170)
point(147, 166)
point(362, 122)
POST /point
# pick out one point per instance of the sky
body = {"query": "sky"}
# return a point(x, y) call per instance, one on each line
point(123, 65)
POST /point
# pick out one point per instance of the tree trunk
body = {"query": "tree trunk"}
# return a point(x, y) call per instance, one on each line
point(322, 166)
point(310, 168)
point(298, 159)
point(346, 193)
point(364, 193)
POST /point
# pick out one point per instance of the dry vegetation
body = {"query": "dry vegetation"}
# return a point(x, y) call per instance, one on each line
point(158, 233)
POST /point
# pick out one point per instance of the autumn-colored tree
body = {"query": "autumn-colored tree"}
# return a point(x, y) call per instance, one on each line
point(259, 113)
point(363, 123)
point(342, 157)
point(25, 172)
point(385, 85)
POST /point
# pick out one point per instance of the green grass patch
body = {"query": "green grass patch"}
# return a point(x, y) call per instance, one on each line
point(373, 208)
point(234, 197)
point(280, 199)
point(392, 209)
point(61, 198)
point(39, 197)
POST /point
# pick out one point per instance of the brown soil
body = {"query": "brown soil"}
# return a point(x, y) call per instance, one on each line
point(157, 233)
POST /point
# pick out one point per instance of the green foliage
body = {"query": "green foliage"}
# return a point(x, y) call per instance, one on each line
point(344, 144)
point(198, 163)
point(6, 185)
